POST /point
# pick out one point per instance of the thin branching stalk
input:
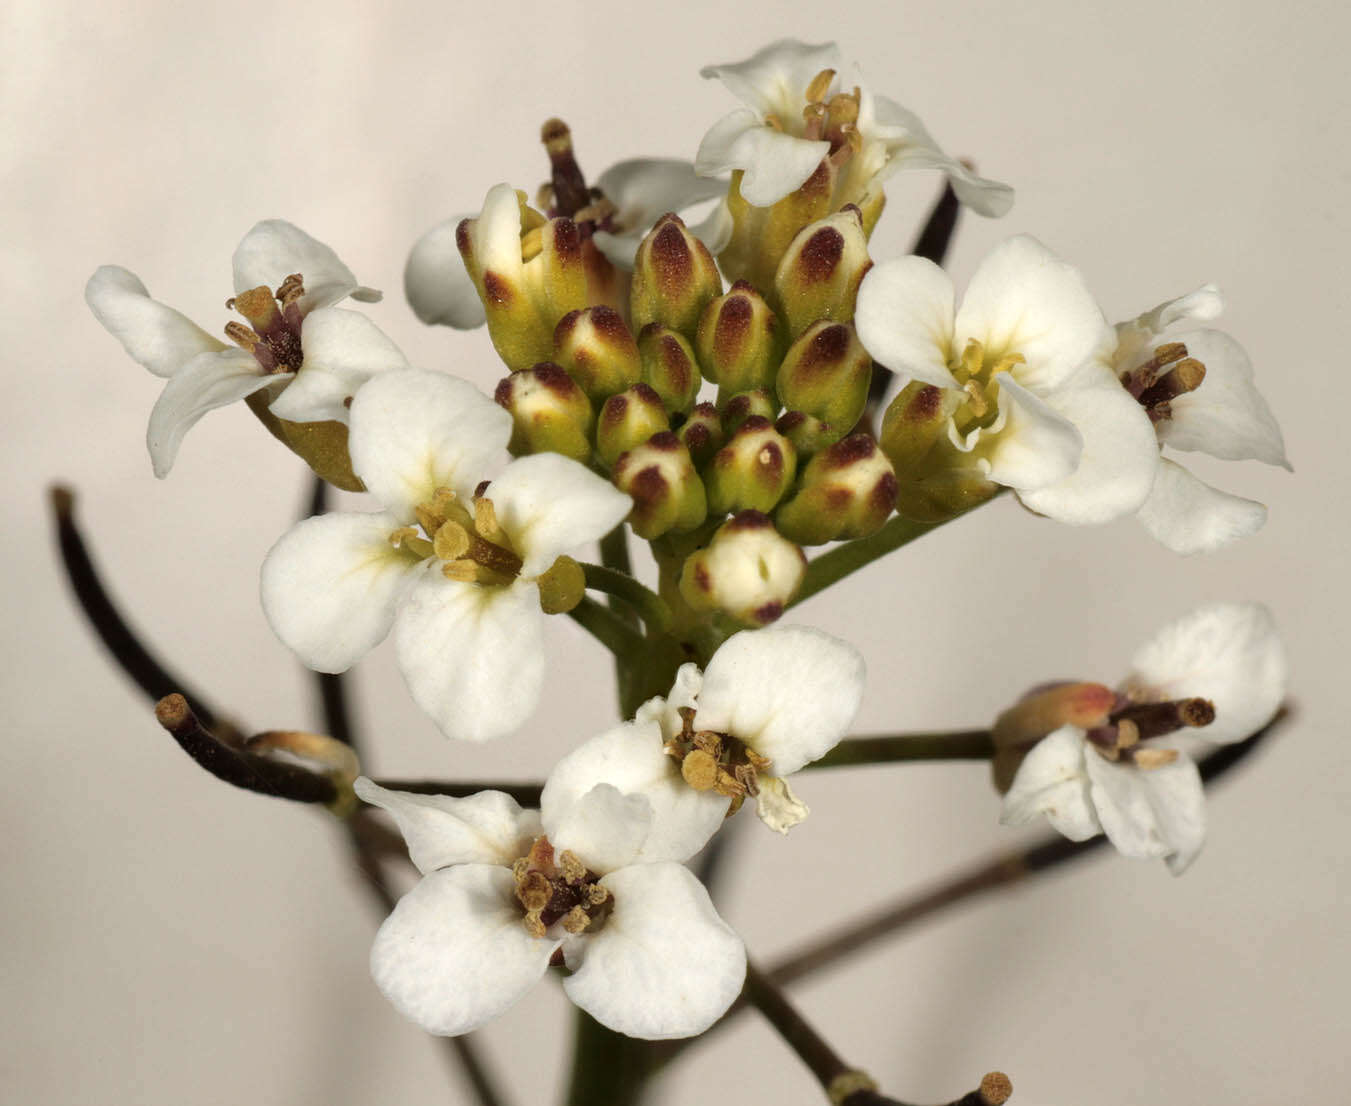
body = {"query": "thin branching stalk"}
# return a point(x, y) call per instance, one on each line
point(893, 748)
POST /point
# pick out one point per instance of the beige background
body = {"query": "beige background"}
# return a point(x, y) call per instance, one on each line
point(170, 940)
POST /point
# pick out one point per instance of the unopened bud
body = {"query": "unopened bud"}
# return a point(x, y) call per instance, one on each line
point(549, 412)
point(702, 433)
point(561, 586)
point(627, 420)
point(669, 367)
point(597, 350)
point(916, 419)
point(846, 492)
point(825, 374)
point(667, 493)
point(748, 571)
point(736, 409)
point(739, 340)
point(752, 471)
point(934, 480)
point(674, 277)
point(761, 235)
point(819, 275)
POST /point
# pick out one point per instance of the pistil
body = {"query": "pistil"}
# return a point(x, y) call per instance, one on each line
point(273, 336)
point(711, 761)
point(558, 888)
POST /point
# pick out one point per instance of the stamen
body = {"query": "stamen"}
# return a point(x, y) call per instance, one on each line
point(485, 521)
point(1137, 380)
point(467, 572)
point(574, 871)
point(976, 402)
point(532, 242)
point(290, 289)
point(846, 142)
point(814, 121)
point(700, 770)
point(819, 86)
point(576, 920)
point(242, 336)
point(1147, 759)
point(1186, 376)
point(451, 541)
point(1157, 719)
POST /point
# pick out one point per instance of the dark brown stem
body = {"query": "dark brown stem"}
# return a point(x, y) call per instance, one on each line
point(890, 748)
point(527, 794)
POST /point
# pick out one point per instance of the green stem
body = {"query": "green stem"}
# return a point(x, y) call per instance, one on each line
point(607, 1067)
point(607, 628)
point(655, 613)
point(889, 748)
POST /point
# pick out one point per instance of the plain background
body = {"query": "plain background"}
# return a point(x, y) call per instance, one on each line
point(171, 940)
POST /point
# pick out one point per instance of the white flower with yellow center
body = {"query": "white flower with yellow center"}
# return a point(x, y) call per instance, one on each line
point(1124, 767)
point(507, 892)
point(770, 702)
point(803, 107)
point(309, 355)
point(1197, 387)
point(453, 567)
point(1030, 407)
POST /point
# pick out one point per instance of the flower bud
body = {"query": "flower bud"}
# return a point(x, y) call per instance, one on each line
point(628, 420)
point(597, 350)
point(669, 367)
point(667, 493)
point(747, 571)
point(736, 409)
point(825, 374)
point(674, 277)
point(819, 275)
point(702, 433)
point(752, 471)
point(761, 235)
point(846, 492)
point(932, 484)
point(739, 340)
point(549, 412)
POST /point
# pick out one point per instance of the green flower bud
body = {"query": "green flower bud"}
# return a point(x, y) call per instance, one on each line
point(744, 405)
point(752, 471)
point(846, 492)
point(739, 340)
point(819, 275)
point(702, 433)
point(628, 420)
point(825, 374)
point(674, 277)
point(667, 493)
point(598, 351)
point(761, 235)
point(669, 367)
point(549, 412)
point(915, 421)
point(748, 571)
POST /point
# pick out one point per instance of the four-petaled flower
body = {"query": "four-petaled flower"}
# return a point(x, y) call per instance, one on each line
point(309, 355)
point(1124, 765)
point(453, 567)
point(506, 892)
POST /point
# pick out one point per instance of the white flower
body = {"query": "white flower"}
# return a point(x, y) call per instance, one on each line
point(308, 355)
point(461, 592)
point(769, 702)
point(1215, 675)
point(1197, 386)
point(1032, 409)
point(506, 892)
point(800, 112)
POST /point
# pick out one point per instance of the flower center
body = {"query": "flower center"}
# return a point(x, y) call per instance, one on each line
point(1169, 373)
point(1121, 736)
point(275, 317)
point(978, 377)
point(711, 761)
point(558, 888)
point(472, 547)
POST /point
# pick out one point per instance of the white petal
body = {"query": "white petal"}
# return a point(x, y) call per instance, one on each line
point(1226, 416)
point(438, 288)
point(1032, 446)
point(208, 381)
point(905, 318)
point(664, 964)
point(789, 692)
point(1203, 305)
point(472, 656)
point(1024, 299)
point(1149, 813)
point(454, 954)
point(414, 431)
point(440, 830)
point(684, 693)
point(1187, 515)
point(275, 249)
point(342, 350)
point(775, 163)
point(1120, 453)
point(778, 806)
point(158, 337)
point(603, 827)
point(549, 505)
point(775, 77)
point(1229, 653)
point(1052, 780)
point(496, 232)
point(330, 587)
point(631, 757)
point(645, 188)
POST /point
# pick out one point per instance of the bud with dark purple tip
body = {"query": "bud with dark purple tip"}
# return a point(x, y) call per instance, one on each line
point(674, 278)
point(739, 341)
point(847, 491)
point(549, 412)
point(752, 471)
point(667, 493)
point(819, 274)
point(669, 367)
point(702, 433)
point(748, 571)
point(598, 351)
point(628, 420)
point(825, 375)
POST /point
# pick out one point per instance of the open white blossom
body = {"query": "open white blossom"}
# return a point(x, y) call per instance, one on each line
point(1031, 407)
point(769, 702)
point(804, 106)
point(1197, 386)
point(309, 355)
point(506, 892)
point(453, 570)
point(1215, 675)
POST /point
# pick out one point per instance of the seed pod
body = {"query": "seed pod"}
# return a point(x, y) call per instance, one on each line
point(748, 571)
point(667, 493)
point(846, 492)
point(739, 340)
point(669, 367)
point(752, 471)
point(819, 275)
point(674, 277)
point(549, 412)
point(628, 420)
point(597, 350)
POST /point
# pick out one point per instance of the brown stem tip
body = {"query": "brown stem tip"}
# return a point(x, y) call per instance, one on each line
point(995, 1089)
point(63, 499)
point(172, 712)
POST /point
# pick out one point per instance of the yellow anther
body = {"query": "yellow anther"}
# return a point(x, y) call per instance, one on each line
point(700, 770)
point(596, 894)
point(534, 890)
point(819, 86)
point(1153, 758)
point(466, 572)
point(709, 742)
point(401, 535)
point(976, 401)
point(291, 289)
point(532, 242)
point(451, 541)
point(971, 359)
point(1127, 734)
point(533, 925)
point(1006, 363)
point(574, 871)
point(843, 108)
point(576, 920)
point(485, 522)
